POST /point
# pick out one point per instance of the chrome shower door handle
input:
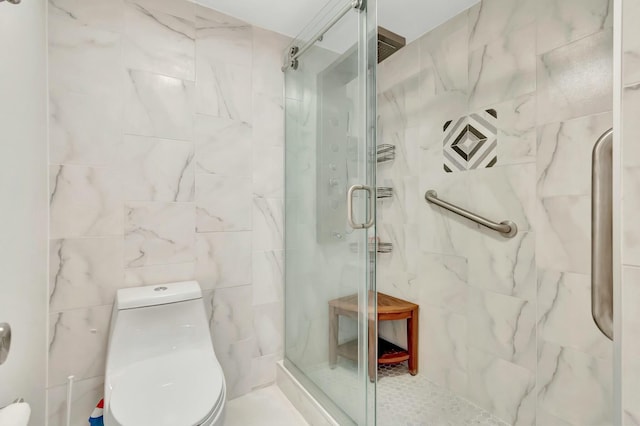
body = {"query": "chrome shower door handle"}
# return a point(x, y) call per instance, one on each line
point(602, 234)
point(372, 206)
point(5, 341)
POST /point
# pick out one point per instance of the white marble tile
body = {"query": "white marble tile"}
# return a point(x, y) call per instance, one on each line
point(268, 171)
point(263, 370)
point(563, 237)
point(631, 43)
point(564, 155)
point(222, 89)
point(630, 314)
point(160, 106)
point(159, 274)
point(576, 80)
point(504, 193)
point(84, 272)
point(99, 14)
point(264, 407)
point(442, 281)
point(505, 266)
point(223, 146)
point(84, 202)
point(223, 203)
point(564, 314)
point(268, 325)
point(268, 276)
point(546, 419)
point(236, 365)
point(503, 69)
point(86, 395)
point(268, 224)
point(574, 386)
point(84, 129)
point(492, 19)
point(502, 388)
point(222, 38)
point(516, 130)
point(157, 169)
point(183, 9)
point(159, 42)
point(232, 316)
point(223, 259)
point(399, 67)
point(159, 233)
point(562, 21)
point(78, 344)
point(443, 345)
point(503, 326)
point(631, 177)
point(630, 390)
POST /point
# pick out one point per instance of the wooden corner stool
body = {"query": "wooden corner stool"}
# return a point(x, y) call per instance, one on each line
point(389, 309)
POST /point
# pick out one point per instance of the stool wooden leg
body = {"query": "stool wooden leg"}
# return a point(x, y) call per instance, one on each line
point(412, 340)
point(334, 321)
point(373, 348)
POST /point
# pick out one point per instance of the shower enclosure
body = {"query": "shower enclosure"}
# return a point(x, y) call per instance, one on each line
point(330, 205)
point(456, 175)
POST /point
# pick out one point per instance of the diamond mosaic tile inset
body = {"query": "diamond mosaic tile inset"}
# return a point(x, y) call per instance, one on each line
point(472, 142)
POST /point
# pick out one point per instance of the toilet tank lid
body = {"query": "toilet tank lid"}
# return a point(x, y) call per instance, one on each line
point(159, 294)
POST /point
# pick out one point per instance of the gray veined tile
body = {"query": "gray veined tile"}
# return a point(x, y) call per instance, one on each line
point(223, 259)
point(236, 365)
point(574, 386)
point(223, 146)
point(232, 315)
point(159, 274)
point(268, 276)
point(504, 266)
point(561, 22)
point(159, 42)
point(183, 9)
point(268, 171)
point(268, 224)
point(493, 19)
point(577, 79)
point(159, 233)
point(503, 69)
point(564, 154)
point(631, 42)
point(268, 325)
point(84, 272)
point(85, 396)
point(84, 202)
point(505, 389)
point(97, 14)
point(78, 344)
point(563, 234)
point(564, 313)
point(503, 326)
point(517, 130)
point(442, 281)
point(222, 38)
point(223, 203)
point(160, 106)
point(157, 169)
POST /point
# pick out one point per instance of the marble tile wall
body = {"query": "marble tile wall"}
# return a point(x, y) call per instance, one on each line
point(166, 164)
point(630, 206)
point(505, 323)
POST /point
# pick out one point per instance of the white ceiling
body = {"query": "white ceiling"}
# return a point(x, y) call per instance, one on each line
point(409, 18)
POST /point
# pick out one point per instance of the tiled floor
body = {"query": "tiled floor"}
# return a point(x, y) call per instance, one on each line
point(404, 400)
point(263, 407)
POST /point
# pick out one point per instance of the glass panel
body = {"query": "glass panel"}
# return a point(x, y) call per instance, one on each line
point(329, 269)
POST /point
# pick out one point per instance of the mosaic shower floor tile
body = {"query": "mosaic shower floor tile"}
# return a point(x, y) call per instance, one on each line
point(402, 399)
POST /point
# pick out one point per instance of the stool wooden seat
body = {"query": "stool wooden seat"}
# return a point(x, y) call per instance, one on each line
point(389, 309)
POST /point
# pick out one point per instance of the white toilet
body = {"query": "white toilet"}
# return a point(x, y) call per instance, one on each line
point(161, 366)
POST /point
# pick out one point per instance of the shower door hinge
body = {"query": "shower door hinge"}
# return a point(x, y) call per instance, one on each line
point(291, 57)
point(359, 4)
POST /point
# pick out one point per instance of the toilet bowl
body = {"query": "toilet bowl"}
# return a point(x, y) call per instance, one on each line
point(161, 366)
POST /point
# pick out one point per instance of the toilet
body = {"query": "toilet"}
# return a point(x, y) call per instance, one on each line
point(161, 366)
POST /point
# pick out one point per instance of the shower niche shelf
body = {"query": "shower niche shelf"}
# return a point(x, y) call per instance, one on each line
point(385, 153)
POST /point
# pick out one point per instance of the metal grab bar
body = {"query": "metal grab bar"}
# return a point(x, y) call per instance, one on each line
point(602, 234)
point(507, 228)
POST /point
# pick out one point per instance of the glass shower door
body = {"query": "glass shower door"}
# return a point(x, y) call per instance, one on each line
point(330, 211)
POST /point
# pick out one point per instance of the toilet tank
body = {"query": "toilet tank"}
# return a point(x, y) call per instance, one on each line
point(157, 321)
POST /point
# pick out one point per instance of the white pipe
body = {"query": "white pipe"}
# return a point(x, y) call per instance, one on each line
point(69, 393)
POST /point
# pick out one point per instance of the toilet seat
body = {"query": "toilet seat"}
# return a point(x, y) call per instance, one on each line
point(185, 387)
